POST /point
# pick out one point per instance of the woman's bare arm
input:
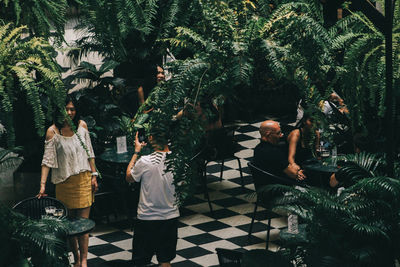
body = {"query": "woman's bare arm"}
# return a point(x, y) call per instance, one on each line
point(293, 139)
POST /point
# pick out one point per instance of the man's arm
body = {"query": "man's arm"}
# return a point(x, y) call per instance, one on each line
point(138, 148)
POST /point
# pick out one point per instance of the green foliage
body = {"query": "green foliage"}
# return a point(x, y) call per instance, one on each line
point(9, 160)
point(41, 16)
point(220, 64)
point(359, 227)
point(98, 100)
point(43, 242)
point(125, 30)
point(27, 71)
point(297, 46)
point(348, 57)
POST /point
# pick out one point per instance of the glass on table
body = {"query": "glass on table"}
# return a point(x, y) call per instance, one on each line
point(50, 210)
point(323, 152)
point(58, 213)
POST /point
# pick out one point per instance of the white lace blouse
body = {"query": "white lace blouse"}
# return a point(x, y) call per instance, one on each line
point(66, 156)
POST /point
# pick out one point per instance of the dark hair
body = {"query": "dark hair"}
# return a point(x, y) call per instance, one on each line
point(59, 117)
point(305, 117)
point(209, 108)
point(361, 141)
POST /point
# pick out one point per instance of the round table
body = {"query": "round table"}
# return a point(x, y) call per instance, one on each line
point(79, 226)
point(294, 238)
point(318, 173)
point(111, 155)
point(320, 167)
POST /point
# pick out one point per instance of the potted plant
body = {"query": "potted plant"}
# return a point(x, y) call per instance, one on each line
point(359, 227)
point(25, 242)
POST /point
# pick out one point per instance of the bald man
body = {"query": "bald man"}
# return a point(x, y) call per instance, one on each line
point(270, 157)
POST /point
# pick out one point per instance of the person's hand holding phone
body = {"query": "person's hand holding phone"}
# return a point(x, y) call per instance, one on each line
point(138, 144)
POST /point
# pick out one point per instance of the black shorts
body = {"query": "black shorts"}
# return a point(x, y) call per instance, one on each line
point(154, 237)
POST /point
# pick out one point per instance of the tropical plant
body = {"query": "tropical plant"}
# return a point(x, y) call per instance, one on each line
point(219, 66)
point(297, 46)
point(127, 31)
point(8, 160)
point(363, 71)
point(26, 242)
point(358, 227)
point(28, 77)
point(42, 17)
point(99, 100)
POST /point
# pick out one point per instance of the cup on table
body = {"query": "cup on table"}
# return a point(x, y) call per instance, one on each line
point(58, 213)
point(324, 153)
point(50, 210)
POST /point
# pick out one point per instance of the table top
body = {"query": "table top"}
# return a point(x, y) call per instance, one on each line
point(111, 155)
point(291, 238)
point(319, 166)
point(79, 226)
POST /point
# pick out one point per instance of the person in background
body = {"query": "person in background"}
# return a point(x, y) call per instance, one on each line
point(303, 142)
point(334, 101)
point(270, 157)
point(144, 92)
point(156, 227)
point(73, 172)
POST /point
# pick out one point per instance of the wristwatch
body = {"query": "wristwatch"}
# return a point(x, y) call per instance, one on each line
point(95, 174)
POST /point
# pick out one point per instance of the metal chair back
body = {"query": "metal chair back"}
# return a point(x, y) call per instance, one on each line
point(262, 178)
point(34, 208)
point(229, 258)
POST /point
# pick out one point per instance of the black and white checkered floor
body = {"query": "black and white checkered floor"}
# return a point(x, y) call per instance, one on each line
point(199, 232)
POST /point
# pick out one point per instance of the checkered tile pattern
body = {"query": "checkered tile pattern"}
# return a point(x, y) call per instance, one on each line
point(200, 232)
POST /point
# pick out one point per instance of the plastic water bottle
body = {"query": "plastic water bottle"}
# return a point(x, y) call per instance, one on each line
point(334, 155)
point(293, 224)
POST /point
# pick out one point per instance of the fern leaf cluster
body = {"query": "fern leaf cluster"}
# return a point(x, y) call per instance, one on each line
point(27, 69)
point(45, 18)
point(361, 219)
point(359, 227)
point(43, 242)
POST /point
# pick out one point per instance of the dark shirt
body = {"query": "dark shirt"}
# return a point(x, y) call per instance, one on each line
point(270, 158)
point(303, 154)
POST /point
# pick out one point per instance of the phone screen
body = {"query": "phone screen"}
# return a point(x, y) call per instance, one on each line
point(142, 135)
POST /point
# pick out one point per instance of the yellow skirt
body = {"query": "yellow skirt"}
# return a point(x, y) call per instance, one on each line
point(76, 191)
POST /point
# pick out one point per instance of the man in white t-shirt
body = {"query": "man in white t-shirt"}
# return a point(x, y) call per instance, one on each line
point(156, 227)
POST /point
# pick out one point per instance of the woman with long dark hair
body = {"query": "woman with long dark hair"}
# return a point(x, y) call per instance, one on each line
point(303, 142)
point(69, 154)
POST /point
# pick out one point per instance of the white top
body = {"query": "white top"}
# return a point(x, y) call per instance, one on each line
point(327, 109)
point(157, 192)
point(66, 156)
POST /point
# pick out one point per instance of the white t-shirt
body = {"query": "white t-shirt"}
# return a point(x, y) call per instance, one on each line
point(157, 192)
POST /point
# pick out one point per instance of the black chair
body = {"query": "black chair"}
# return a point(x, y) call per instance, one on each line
point(34, 207)
point(229, 258)
point(198, 162)
point(221, 146)
point(262, 178)
point(105, 200)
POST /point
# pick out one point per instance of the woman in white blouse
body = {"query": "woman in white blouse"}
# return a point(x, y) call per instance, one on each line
point(70, 157)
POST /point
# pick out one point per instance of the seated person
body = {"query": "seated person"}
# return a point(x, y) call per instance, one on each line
point(334, 101)
point(303, 142)
point(270, 157)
